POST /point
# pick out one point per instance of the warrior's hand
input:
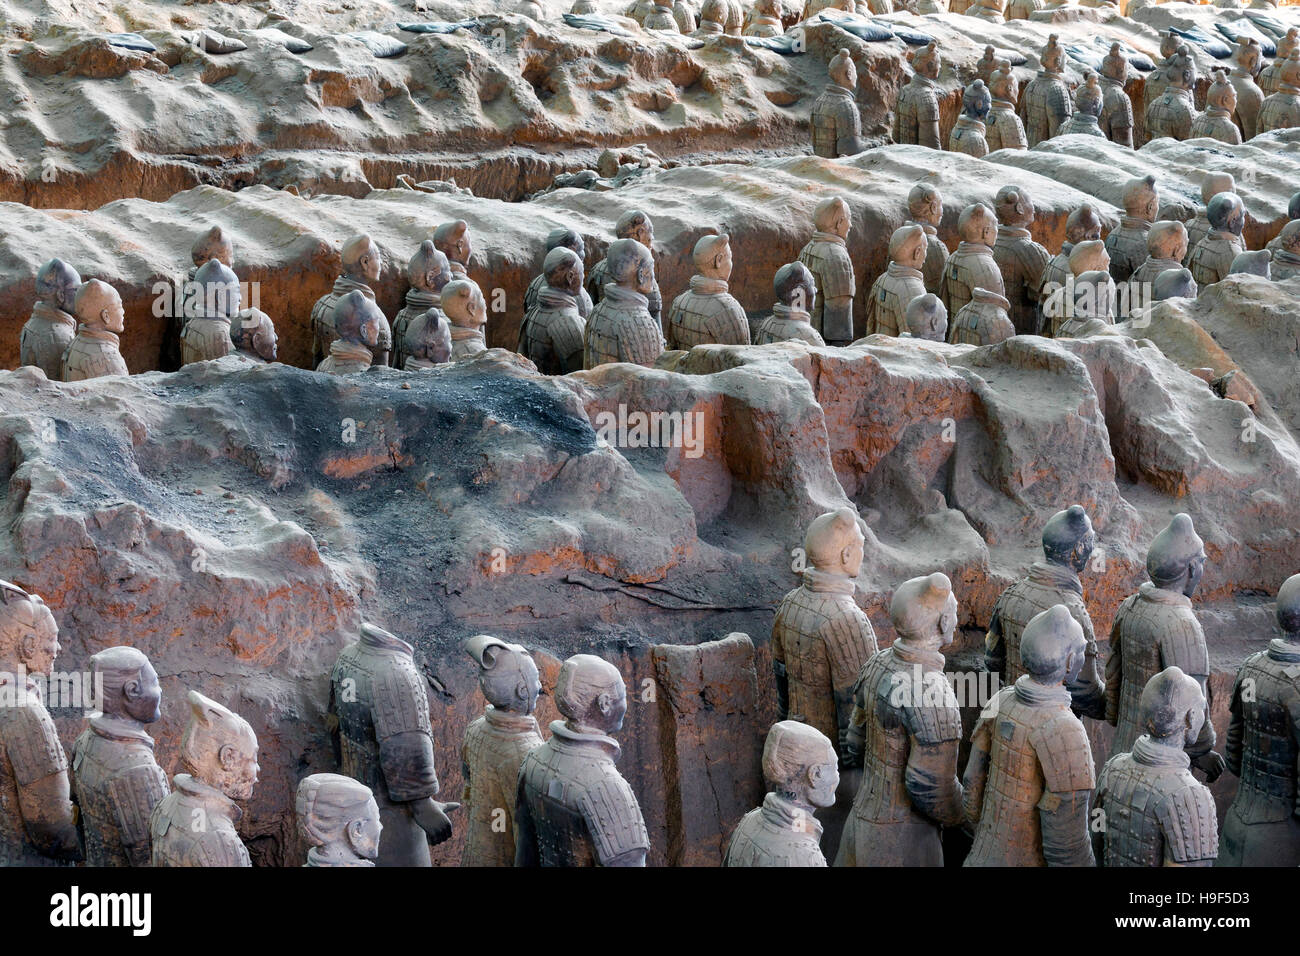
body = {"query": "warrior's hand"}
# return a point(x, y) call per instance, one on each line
point(1212, 764)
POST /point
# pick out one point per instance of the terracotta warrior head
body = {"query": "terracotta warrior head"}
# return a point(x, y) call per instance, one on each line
point(794, 286)
point(1175, 284)
point(927, 318)
point(1289, 72)
point(976, 101)
point(429, 341)
point(254, 334)
point(219, 748)
point(1115, 65)
point(1215, 183)
point(57, 283)
point(977, 223)
point(1257, 263)
point(361, 259)
point(800, 764)
point(1172, 708)
point(29, 638)
point(989, 61)
point(1002, 82)
point(712, 256)
point(1087, 98)
point(1248, 56)
point(1140, 199)
point(1068, 538)
point(338, 815)
point(1169, 44)
point(1221, 94)
point(507, 674)
point(1014, 207)
point(1052, 646)
point(1082, 224)
point(1090, 255)
point(1288, 608)
point(908, 246)
point(463, 302)
point(925, 204)
point(452, 240)
point(834, 543)
point(832, 216)
point(635, 224)
point(213, 244)
point(428, 269)
point(714, 11)
point(218, 293)
point(130, 684)
point(629, 264)
point(1167, 239)
point(358, 320)
point(924, 611)
point(1053, 56)
point(1288, 43)
point(563, 237)
point(1176, 558)
point(1181, 70)
point(1289, 238)
point(927, 61)
point(563, 270)
point(1226, 213)
point(1094, 294)
point(98, 306)
point(590, 695)
point(843, 71)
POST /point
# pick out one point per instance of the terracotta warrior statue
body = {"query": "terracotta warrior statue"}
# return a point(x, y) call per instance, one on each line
point(713, 19)
point(621, 328)
point(1045, 104)
point(1252, 263)
point(356, 326)
point(211, 244)
point(1086, 117)
point(1281, 109)
point(1029, 777)
point(452, 240)
point(907, 727)
point(195, 824)
point(567, 239)
point(821, 638)
point(552, 330)
point(707, 313)
point(573, 806)
point(899, 284)
point(338, 819)
point(1268, 77)
point(1293, 213)
point(661, 19)
point(972, 266)
point(1173, 284)
point(1094, 304)
point(1158, 79)
point(428, 272)
point(1022, 9)
point(684, 14)
point(986, 64)
point(49, 331)
point(836, 123)
point(1116, 119)
point(94, 349)
point(253, 336)
point(1213, 255)
point(1127, 243)
point(1083, 224)
point(925, 209)
point(916, 114)
point(1171, 113)
point(967, 135)
point(988, 10)
point(1198, 227)
point(379, 718)
point(427, 342)
point(1247, 59)
point(827, 257)
point(1068, 542)
point(794, 288)
point(633, 224)
point(362, 263)
point(983, 320)
point(1003, 128)
point(1166, 247)
point(37, 819)
point(495, 747)
point(466, 311)
point(1155, 812)
point(1220, 104)
point(802, 774)
point(215, 303)
point(1286, 254)
point(1021, 260)
point(927, 318)
point(1263, 749)
point(116, 781)
point(1156, 628)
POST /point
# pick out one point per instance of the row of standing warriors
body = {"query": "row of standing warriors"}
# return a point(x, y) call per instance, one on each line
point(1029, 794)
point(1249, 99)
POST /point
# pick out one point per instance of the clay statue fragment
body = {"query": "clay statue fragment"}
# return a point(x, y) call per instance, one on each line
point(427, 342)
point(927, 318)
point(253, 336)
point(982, 321)
point(338, 819)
